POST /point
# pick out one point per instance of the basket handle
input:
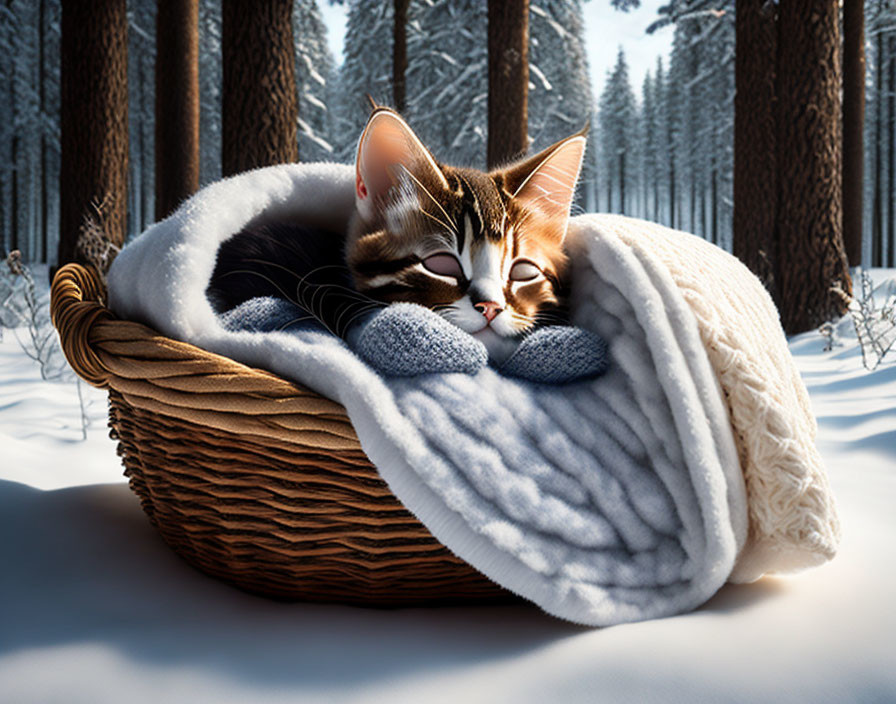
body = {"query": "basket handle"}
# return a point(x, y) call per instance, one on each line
point(76, 305)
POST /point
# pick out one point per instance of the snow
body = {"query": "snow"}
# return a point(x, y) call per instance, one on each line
point(95, 608)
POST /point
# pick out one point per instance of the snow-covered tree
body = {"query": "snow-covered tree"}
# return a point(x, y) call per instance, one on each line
point(660, 145)
point(617, 137)
point(880, 133)
point(209, 91)
point(314, 73)
point(447, 78)
point(560, 98)
point(29, 126)
point(699, 113)
point(141, 115)
point(648, 148)
point(447, 74)
point(366, 70)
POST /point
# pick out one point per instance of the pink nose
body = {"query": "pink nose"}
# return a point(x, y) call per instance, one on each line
point(489, 309)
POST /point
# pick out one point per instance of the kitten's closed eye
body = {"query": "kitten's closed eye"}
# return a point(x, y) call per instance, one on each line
point(444, 264)
point(524, 270)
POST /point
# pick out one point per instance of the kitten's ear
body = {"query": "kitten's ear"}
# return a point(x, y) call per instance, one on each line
point(547, 181)
point(388, 148)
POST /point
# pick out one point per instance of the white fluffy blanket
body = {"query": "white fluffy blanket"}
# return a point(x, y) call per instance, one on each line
point(632, 496)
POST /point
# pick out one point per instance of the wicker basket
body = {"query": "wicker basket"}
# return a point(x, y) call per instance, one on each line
point(250, 478)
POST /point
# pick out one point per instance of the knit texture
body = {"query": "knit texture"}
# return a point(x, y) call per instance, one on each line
point(406, 339)
point(557, 354)
point(793, 516)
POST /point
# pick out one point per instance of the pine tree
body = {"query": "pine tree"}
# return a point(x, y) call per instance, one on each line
point(698, 101)
point(314, 75)
point(648, 146)
point(29, 125)
point(141, 115)
point(617, 136)
point(560, 100)
point(877, 25)
point(891, 148)
point(48, 31)
point(209, 90)
point(447, 79)
point(660, 150)
point(7, 123)
point(853, 128)
point(366, 70)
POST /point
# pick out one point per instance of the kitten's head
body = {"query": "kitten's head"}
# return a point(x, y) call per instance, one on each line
point(484, 250)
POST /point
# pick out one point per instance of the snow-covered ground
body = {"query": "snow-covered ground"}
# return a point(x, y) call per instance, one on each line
point(95, 608)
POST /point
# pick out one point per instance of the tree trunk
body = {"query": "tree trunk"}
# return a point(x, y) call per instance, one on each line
point(622, 182)
point(692, 225)
point(645, 193)
point(42, 91)
point(14, 242)
point(94, 118)
point(891, 152)
point(702, 207)
point(609, 194)
point(672, 212)
point(177, 103)
point(259, 101)
point(755, 176)
point(853, 128)
point(811, 259)
point(146, 192)
point(714, 206)
point(508, 80)
point(877, 236)
point(399, 52)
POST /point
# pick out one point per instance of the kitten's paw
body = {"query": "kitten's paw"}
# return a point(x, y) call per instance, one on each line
point(557, 354)
point(268, 314)
point(406, 339)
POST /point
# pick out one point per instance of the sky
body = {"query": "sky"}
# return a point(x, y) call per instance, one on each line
point(606, 30)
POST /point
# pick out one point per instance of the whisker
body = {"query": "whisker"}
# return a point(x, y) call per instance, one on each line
point(291, 271)
point(431, 197)
point(266, 278)
point(348, 292)
point(435, 219)
point(354, 315)
point(294, 321)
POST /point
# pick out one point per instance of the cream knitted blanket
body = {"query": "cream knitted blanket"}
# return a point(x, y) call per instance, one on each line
point(792, 517)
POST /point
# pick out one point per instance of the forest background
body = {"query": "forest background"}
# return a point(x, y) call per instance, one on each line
point(662, 150)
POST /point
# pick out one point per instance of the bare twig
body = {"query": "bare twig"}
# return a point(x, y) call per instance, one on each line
point(873, 313)
point(24, 306)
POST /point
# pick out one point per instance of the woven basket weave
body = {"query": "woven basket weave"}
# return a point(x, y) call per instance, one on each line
point(251, 478)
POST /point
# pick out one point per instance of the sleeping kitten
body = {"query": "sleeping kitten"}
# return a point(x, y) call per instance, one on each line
point(483, 250)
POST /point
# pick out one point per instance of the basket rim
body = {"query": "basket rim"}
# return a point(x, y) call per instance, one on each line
point(157, 373)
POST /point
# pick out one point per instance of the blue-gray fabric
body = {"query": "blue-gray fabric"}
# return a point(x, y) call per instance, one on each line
point(406, 340)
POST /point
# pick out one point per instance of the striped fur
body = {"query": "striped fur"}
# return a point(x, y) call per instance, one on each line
point(496, 226)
